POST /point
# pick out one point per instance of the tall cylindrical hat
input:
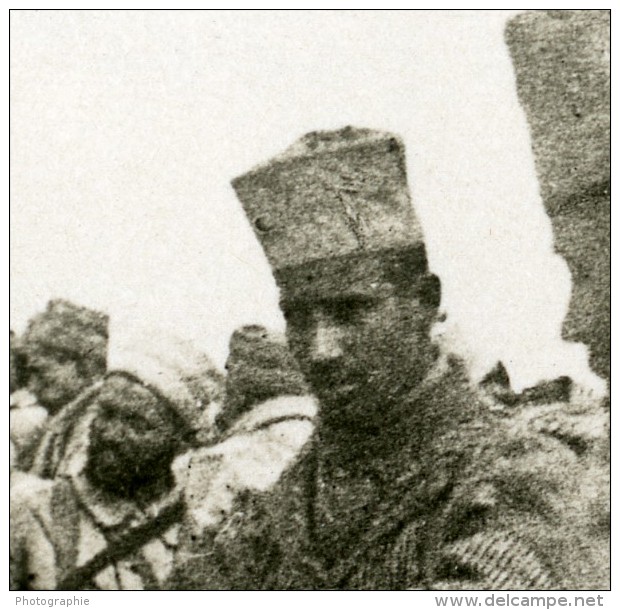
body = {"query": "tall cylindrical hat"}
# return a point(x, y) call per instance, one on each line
point(332, 196)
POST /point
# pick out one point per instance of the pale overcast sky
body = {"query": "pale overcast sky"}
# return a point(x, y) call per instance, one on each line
point(127, 128)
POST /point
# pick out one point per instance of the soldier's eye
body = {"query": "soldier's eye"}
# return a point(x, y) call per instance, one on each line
point(344, 313)
point(58, 356)
point(349, 311)
point(296, 314)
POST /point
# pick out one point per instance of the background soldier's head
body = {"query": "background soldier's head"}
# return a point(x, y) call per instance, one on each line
point(148, 407)
point(65, 347)
point(260, 366)
point(334, 216)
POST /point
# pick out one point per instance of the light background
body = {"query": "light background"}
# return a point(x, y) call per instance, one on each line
point(127, 127)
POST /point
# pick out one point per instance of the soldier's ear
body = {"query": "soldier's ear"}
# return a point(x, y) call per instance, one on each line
point(429, 291)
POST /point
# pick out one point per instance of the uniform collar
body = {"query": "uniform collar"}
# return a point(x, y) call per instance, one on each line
point(421, 477)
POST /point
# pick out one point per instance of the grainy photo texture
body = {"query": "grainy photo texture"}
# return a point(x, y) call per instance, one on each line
point(311, 300)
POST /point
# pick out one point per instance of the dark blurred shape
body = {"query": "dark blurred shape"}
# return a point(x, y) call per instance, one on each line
point(496, 384)
point(74, 329)
point(562, 64)
point(260, 366)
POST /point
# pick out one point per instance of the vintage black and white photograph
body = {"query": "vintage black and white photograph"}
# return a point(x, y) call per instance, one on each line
point(312, 300)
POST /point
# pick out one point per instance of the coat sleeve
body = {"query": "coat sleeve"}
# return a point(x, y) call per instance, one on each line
point(532, 512)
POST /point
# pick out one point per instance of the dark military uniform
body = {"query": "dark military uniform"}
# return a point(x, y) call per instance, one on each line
point(450, 492)
point(471, 498)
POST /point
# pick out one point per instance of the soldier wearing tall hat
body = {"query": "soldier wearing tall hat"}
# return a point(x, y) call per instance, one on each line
point(409, 481)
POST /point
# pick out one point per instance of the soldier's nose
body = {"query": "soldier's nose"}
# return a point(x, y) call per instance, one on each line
point(327, 342)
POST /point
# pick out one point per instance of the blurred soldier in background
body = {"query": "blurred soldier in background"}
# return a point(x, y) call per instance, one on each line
point(260, 366)
point(410, 480)
point(66, 351)
point(109, 519)
point(562, 68)
point(266, 419)
point(65, 347)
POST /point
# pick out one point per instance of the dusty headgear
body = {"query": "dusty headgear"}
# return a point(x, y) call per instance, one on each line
point(255, 345)
point(68, 328)
point(332, 195)
point(260, 364)
point(184, 375)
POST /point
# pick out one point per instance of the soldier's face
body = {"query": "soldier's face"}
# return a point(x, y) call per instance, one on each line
point(55, 378)
point(360, 351)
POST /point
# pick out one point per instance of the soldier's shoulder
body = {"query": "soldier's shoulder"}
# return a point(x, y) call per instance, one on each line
point(529, 482)
point(574, 430)
point(268, 513)
point(549, 459)
point(544, 462)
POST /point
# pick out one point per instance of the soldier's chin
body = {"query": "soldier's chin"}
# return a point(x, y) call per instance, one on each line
point(347, 412)
point(334, 397)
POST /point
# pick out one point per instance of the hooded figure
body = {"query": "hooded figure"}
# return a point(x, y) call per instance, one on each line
point(108, 519)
